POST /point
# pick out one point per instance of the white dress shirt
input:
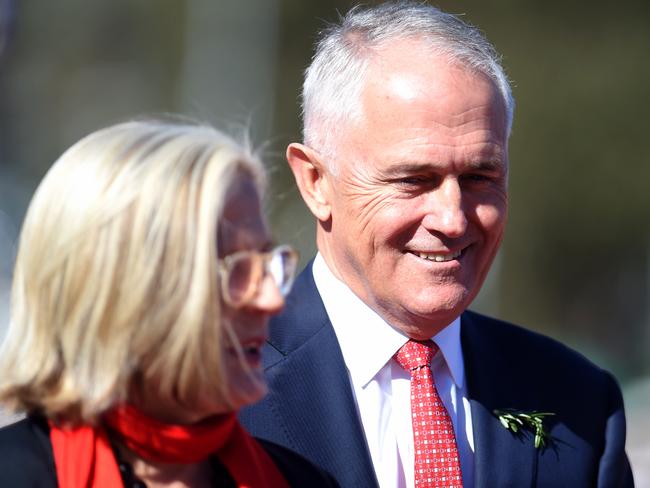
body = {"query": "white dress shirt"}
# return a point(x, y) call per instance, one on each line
point(382, 388)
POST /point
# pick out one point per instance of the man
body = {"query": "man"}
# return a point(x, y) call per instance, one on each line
point(407, 115)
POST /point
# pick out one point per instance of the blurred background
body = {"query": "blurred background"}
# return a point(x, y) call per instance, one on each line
point(575, 263)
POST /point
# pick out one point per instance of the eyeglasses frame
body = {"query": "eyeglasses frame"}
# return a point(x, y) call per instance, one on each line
point(225, 268)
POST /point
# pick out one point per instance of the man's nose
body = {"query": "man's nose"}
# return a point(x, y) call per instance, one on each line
point(445, 212)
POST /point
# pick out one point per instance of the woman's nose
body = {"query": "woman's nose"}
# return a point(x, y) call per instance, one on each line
point(268, 299)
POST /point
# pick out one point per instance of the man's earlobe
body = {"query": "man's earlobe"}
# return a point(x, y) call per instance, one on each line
point(312, 179)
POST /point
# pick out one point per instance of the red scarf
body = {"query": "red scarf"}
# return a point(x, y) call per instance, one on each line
point(84, 457)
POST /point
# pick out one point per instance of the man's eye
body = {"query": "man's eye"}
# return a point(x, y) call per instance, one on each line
point(414, 180)
point(476, 177)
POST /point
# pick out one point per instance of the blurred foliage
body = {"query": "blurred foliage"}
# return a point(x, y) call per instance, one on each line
point(575, 262)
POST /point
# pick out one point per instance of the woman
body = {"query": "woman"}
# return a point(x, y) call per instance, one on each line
point(143, 285)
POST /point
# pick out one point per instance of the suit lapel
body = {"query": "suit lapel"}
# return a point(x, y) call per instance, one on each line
point(311, 391)
point(501, 458)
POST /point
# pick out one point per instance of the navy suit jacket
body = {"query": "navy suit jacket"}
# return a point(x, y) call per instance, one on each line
point(311, 408)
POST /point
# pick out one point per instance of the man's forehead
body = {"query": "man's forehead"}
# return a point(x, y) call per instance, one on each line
point(409, 70)
point(403, 85)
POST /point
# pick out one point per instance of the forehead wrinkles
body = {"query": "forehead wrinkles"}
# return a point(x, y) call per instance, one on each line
point(477, 121)
point(369, 156)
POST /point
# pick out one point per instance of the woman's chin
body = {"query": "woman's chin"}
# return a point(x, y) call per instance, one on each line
point(247, 385)
point(252, 391)
point(240, 397)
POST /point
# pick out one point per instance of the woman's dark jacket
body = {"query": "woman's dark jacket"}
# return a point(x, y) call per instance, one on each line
point(27, 460)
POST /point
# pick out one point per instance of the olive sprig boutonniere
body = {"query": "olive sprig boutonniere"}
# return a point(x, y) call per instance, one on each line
point(515, 420)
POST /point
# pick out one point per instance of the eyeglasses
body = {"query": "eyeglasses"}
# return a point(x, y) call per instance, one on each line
point(242, 273)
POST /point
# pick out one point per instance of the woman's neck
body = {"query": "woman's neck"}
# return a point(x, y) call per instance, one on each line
point(166, 475)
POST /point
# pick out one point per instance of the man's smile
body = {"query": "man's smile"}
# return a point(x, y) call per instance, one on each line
point(438, 257)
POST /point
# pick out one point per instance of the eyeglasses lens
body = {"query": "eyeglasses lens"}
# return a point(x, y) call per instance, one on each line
point(246, 270)
point(241, 277)
point(282, 267)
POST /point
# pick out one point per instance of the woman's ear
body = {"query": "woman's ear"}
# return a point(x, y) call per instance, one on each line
point(311, 178)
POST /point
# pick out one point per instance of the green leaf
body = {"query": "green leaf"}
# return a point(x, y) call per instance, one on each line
point(534, 421)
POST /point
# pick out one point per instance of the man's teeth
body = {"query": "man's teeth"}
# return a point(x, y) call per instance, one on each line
point(439, 258)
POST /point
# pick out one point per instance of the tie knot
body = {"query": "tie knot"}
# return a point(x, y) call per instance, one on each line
point(415, 355)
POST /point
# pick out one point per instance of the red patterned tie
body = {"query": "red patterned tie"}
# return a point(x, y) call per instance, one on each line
point(434, 442)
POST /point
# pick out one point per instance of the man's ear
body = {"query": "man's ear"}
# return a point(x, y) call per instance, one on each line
point(311, 178)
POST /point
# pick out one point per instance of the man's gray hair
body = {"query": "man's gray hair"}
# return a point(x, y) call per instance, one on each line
point(335, 78)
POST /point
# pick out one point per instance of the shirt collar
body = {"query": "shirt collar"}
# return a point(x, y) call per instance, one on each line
point(367, 341)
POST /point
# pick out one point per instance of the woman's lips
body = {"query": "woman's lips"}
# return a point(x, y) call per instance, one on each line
point(252, 351)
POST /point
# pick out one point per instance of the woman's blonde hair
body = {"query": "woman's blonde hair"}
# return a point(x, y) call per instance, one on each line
point(116, 278)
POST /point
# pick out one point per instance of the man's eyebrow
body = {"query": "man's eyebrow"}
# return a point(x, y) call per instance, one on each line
point(407, 168)
point(487, 165)
point(410, 168)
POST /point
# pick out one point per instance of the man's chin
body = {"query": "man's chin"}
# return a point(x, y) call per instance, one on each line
point(426, 329)
point(427, 316)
